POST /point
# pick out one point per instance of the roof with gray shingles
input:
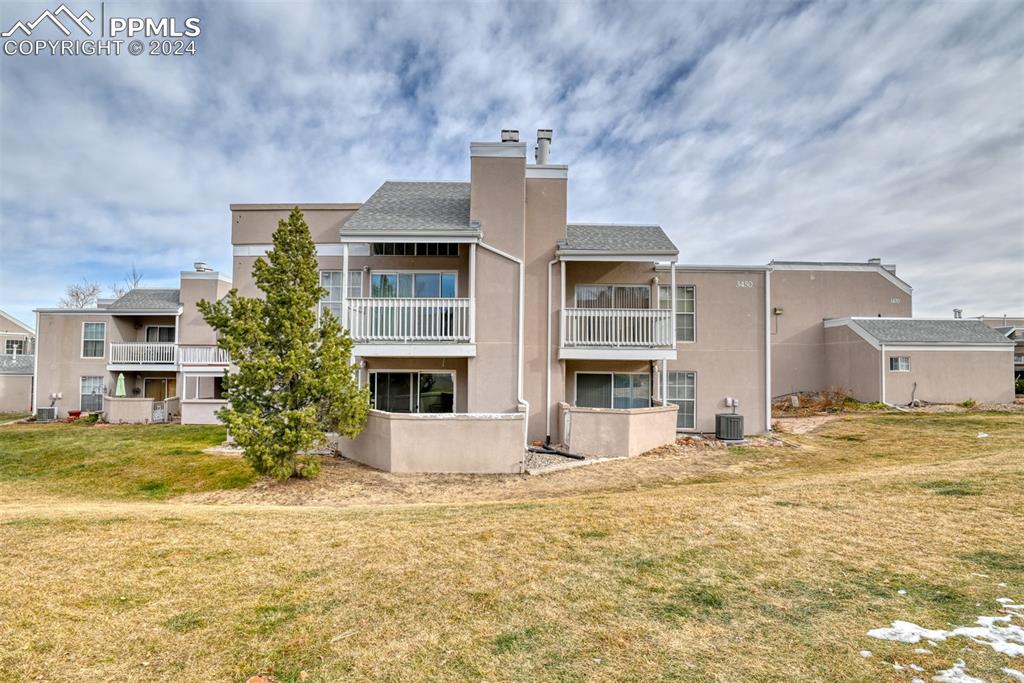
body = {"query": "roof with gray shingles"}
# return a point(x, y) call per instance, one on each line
point(148, 300)
point(889, 331)
point(20, 364)
point(646, 239)
point(401, 206)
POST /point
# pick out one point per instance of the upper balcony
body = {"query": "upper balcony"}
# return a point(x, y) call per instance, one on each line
point(411, 326)
point(157, 356)
point(617, 333)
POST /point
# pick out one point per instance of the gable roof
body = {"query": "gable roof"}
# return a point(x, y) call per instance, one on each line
point(616, 238)
point(416, 208)
point(927, 332)
point(140, 299)
point(13, 323)
point(18, 364)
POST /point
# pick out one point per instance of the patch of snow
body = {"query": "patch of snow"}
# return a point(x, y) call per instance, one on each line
point(922, 651)
point(915, 667)
point(902, 591)
point(932, 643)
point(997, 632)
point(865, 653)
point(982, 435)
point(956, 674)
point(915, 679)
point(1013, 673)
point(984, 576)
point(896, 665)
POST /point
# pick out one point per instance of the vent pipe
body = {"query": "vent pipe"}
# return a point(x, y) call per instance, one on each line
point(543, 146)
point(201, 267)
point(958, 313)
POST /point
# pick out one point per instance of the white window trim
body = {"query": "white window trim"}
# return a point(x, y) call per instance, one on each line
point(897, 358)
point(611, 397)
point(15, 341)
point(613, 285)
point(677, 313)
point(82, 340)
point(344, 293)
point(80, 394)
point(431, 371)
point(145, 334)
point(693, 429)
point(428, 271)
point(184, 389)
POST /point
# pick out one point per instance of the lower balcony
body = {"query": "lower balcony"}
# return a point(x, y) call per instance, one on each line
point(411, 327)
point(617, 334)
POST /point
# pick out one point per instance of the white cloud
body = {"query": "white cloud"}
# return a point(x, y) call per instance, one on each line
point(748, 131)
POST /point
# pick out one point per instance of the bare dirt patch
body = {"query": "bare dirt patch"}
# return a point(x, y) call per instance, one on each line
point(345, 483)
point(802, 425)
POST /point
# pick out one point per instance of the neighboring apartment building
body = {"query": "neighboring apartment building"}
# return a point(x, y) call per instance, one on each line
point(482, 320)
point(17, 360)
point(155, 338)
point(1013, 329)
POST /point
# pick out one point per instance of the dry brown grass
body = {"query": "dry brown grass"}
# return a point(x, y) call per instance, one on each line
point(759, 564)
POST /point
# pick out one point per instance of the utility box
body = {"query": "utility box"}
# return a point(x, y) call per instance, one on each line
point(729, 427)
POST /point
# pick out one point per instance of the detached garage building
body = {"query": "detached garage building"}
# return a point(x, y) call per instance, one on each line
point(898, 360)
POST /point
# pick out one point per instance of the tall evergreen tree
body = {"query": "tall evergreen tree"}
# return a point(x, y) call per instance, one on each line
point(295, 380)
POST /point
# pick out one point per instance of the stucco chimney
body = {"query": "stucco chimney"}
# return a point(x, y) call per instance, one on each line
point(543, 146)
point(509, 135)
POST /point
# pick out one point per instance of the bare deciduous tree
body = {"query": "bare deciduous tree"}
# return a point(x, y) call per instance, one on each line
point(80, 295)
point(132, 279)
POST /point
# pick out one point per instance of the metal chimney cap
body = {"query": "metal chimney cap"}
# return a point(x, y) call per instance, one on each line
point(201, 267)
point(875, 260)
point(544, 134)
point(509, 135)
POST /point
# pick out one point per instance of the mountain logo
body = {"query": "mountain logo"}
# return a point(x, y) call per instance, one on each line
point(68, 15)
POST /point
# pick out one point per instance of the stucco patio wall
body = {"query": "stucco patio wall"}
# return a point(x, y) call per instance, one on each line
point(609, 432)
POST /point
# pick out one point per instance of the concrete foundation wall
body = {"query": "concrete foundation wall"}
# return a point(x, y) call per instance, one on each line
point(466, 443)
point(127, 410)
point(15, 393)
point(200, 413)
point(951, 377)
point(616, 433)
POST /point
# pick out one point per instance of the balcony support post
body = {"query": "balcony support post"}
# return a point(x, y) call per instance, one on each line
point(561, 306)
point(672, 319)
point(472, 293)
point(344, 285)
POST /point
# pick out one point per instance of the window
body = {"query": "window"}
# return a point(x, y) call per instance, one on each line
point(331, 281)
point(93, 337)
point(613, 296)
point(682, 391)
point(159, 333)
point(92, 394)
point(413, 392)
point(1018, 358)
point(416, 249)
point(899, 364)
point(686, 306)
point(203, 388)
point(613, 390)
point(413, 285)
point(15, 346)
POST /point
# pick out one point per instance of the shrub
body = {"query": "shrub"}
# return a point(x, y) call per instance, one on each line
point(1019, 385)
point(833, 399)
point(969, 403)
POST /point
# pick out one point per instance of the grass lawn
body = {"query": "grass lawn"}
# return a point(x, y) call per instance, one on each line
point(8, 417)
point(765, 564)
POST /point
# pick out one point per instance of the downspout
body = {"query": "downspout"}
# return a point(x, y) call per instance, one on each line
point(519, 379)
point(547, 368)
point(35, 369)
point(768, 350)
point(882, 369)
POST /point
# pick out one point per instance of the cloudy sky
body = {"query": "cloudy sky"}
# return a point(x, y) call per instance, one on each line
point(818, 131)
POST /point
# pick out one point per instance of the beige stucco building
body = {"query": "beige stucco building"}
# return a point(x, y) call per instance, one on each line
point(485, 322)
point(17, 364)
point(1012, 328)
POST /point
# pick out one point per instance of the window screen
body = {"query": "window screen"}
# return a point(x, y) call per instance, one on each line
point(613, 296)
point(899, 363)
point(93, 336)
point(92, 394)
point(686, 307)
point(593, 390)
point(682, 391)
point(613, 390)
point(160, 334)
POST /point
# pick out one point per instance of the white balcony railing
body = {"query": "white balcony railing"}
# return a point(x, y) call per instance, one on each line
point(143, 353)
point(203, 355)
point(651, 328)
point(410, 320)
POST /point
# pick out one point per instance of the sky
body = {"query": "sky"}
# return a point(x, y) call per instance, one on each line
point(750, 132)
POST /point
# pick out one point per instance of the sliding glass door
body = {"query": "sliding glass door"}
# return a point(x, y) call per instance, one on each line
point(413, 392)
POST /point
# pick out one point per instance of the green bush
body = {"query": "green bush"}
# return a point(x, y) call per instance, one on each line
point(1020, 385)
point(969, 403)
